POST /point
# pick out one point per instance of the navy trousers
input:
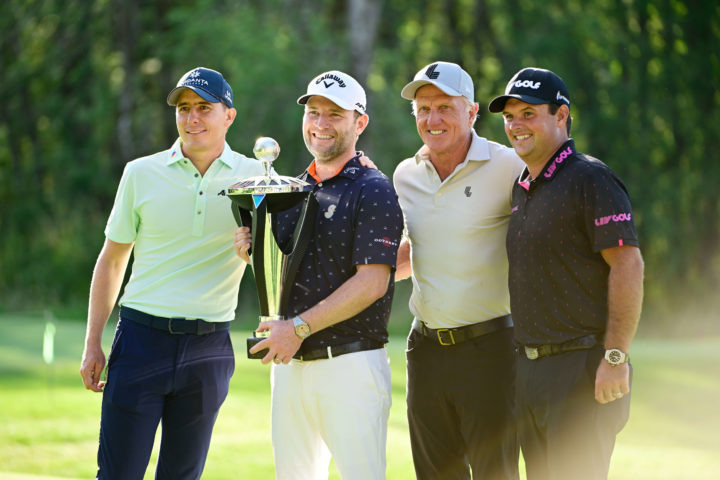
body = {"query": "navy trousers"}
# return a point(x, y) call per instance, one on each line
point(460, 408)
point(154, 376)
point(564, 433)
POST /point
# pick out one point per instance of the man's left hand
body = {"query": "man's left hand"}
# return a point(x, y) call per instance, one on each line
point(282, 343)
point(611, 383)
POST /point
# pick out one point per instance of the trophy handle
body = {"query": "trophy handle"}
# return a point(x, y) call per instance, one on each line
point(301, 238)
point(243, 218)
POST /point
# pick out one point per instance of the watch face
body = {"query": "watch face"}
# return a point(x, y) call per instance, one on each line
point(303, 330)
point(614, 357)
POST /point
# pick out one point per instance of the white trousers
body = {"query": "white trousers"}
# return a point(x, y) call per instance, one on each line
point(337, 407)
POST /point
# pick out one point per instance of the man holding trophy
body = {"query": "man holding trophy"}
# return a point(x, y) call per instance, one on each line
point(331, 390)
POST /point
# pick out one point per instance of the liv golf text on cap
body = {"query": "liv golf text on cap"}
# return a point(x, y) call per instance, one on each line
point(536, 86)
point(448, 77)
point(207, 83)
point(338, 87)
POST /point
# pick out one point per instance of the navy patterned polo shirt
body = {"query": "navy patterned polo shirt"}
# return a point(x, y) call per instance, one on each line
point(560, 222)
point(358, 222)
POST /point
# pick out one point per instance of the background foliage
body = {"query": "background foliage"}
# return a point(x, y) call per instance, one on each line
point(84, 83)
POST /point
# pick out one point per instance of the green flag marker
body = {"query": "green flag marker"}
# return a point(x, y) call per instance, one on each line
point(49, 343)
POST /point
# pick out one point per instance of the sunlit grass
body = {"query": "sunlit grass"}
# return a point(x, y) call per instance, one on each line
point(49, 422)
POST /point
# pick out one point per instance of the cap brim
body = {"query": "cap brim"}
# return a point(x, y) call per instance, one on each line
point(175, 93)
point(498, 103)
point(337, 101)
point(408, 92)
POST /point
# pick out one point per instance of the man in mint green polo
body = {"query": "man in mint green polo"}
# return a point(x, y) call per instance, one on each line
point(171, 359)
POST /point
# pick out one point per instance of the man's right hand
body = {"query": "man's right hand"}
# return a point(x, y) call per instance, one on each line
point(92, 366)
point(243, 242)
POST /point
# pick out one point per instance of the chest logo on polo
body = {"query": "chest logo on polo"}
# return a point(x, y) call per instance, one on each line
point(467, 191)
point(330, 211)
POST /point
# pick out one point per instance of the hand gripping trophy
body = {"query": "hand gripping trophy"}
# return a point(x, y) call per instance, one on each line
point(254, 202)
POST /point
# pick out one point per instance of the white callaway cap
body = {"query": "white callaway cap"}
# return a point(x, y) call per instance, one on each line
point(448, 77)
point(338, 87)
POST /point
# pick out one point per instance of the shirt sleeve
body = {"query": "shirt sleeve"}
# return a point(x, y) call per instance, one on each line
point(123, 223)
point(378, 224)
point(608, 214)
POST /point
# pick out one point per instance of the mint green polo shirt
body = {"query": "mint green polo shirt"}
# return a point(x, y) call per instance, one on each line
point(181, 222)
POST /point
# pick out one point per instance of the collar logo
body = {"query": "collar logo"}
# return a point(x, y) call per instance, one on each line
point(527, 84)
point(431, 73)
point(467, 191)
point(558, 160)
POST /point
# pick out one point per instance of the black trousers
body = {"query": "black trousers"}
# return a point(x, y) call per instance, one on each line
point(460, 403)
point(564, 433)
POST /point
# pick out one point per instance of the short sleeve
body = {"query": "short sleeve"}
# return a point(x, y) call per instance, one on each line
point(123, 223)
point(608, 213)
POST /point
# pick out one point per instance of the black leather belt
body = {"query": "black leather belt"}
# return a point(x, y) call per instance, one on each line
point(337, 350)
point(176, 326)
point(533, 352)
point(452, 336)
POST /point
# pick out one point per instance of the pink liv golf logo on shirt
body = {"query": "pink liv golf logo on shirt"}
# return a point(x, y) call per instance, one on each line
point(621, 217)
point(558, 160)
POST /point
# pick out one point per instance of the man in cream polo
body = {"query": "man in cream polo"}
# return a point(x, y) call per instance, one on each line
point(455, 193)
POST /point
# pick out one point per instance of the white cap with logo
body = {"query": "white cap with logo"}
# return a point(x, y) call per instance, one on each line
point(448, 77)
point(338, 87)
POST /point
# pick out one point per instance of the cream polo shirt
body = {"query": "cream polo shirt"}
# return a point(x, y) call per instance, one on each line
point(457, 230)
point(183, 228)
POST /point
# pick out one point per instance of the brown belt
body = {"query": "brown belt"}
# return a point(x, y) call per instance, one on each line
point(453, 336)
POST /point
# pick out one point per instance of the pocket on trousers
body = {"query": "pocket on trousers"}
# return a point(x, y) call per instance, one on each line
point(115, 347)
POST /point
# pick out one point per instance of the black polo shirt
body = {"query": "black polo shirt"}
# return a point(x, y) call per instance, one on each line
point(560, 222)
point(358, 222)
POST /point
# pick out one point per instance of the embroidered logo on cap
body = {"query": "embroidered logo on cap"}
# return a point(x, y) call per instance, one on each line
point(332, 78)
point(431, 73)
point(527, 83)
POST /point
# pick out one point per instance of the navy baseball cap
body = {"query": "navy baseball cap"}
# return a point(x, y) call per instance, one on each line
point(207, 83)
point(536, 86)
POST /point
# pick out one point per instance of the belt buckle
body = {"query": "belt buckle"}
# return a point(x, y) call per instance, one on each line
point(170, 320)
point(531, 353)
point(440, 338)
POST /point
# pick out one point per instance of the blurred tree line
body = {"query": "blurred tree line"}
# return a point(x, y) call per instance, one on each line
point(84, 85)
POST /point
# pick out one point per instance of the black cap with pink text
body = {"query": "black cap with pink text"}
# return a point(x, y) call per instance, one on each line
point(533, 85)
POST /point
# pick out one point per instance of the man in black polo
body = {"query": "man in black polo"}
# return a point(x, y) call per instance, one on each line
point(331, 390)
point(576, 286)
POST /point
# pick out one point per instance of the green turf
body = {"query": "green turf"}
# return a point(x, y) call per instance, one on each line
point(49, 422)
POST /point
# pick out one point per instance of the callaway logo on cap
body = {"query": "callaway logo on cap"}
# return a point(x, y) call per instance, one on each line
point(448, 77)
point(536, 86)
point(338, 87)
point(207, 83)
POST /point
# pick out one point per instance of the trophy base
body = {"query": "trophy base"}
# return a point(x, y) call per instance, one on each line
point(251, 342)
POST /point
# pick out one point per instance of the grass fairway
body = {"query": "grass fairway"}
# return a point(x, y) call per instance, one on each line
point(49, 422)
